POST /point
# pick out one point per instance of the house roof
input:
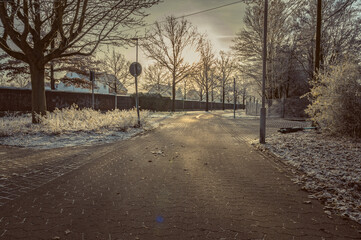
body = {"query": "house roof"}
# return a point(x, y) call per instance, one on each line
point(111, 78)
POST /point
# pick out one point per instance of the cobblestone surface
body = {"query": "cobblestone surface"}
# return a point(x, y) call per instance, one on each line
point(22, 170)
point(193, 178)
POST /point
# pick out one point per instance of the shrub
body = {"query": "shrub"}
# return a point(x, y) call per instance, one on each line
point(72, 120)
point(336, 100)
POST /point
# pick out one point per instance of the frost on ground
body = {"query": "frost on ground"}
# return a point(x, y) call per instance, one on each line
point(328, 167)
point(71, 127)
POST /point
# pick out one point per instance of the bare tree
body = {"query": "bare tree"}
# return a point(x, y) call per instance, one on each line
point(341, 31)
point(166, 43)
point(156, 76)
point(15, 72)
point(339, 37)
point(243, 84)
point(115, 63)
point(205, 50)
point(225, 67)
point(197, 79)
point(248, 43)
point(28, 29)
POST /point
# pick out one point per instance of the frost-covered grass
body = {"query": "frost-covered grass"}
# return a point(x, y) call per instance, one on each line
point(72, 120)
point(328, 167)
point(73, 127)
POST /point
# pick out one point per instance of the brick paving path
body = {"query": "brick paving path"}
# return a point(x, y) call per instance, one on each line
point(193, 178)
point(22, 170)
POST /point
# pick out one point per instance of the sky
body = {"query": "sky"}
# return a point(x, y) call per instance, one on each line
point(219, 24)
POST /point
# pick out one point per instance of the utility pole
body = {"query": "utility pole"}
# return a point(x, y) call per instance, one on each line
point(318, 37)
point(262, 137)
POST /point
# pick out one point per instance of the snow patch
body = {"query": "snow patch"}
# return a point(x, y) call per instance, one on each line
point(327, 167)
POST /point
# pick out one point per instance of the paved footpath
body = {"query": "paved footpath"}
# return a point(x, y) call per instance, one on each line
point(193, 178)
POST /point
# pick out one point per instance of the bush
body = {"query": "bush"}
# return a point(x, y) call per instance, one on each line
point(336, 100)
point(72, 119)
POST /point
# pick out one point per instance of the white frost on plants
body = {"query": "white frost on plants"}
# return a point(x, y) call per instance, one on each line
point(72, 127)
point(327, 167)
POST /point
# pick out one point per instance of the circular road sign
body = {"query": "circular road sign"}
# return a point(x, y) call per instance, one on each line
point(135, 69)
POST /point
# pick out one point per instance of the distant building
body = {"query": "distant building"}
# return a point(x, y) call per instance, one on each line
point(165, 91)
point(76, 82)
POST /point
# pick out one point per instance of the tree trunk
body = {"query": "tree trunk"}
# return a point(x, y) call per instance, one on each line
point(207, 108)
point(207, 90)
point(173, 93)
point(223, 94)
point(115, 94)
point(52, 80)
point(38, 99)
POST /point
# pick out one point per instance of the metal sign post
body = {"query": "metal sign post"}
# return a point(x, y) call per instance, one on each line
point(136, 69)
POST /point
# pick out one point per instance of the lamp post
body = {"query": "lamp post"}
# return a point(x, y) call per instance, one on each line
point(262, 138)
point(136, 81)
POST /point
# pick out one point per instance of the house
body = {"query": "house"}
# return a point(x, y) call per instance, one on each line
point(104, 83)
point(165, 91)
point(110, 79)
point(76, 82)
